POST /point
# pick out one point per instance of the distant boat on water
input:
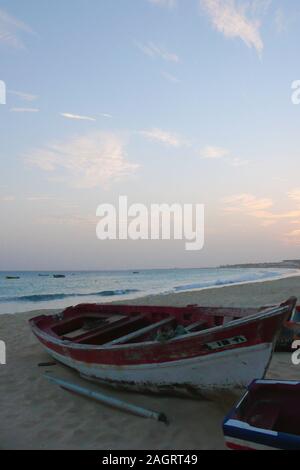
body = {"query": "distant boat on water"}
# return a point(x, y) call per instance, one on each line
point(58, 276)
point(12, 277)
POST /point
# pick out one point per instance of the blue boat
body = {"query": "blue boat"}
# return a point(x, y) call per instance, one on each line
point(267, 417)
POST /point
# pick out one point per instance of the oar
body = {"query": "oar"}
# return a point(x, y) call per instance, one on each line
point(107, 400)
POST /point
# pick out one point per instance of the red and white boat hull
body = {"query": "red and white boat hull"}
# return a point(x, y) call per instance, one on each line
point(224, 370)
point(221, 357)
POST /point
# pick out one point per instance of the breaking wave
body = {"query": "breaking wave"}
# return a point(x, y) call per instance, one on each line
point(238, 279)
point(49, 297)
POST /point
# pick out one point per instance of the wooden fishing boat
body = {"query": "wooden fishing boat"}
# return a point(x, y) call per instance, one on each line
point(290, 332)
point(164, 349)
point(267, 417)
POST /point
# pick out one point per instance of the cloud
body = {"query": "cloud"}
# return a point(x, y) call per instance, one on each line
point(213, 152)
point(294, 195)
point(238, 162)
point(230, 18)
point(293, 237)
point(23, 96)
point(246, 203)
point(164, 3)
point(106, 115)
point(11, 29)
point(77, 117)
point(88, 161)
point(281, 22)
point(259, 208)
point(275, 217)
point(164, 137)
point(171, 78)
point(152, 50)
point(24, 110)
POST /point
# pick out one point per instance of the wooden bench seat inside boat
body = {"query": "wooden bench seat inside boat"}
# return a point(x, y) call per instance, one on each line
point(197, 326)
point(111, 331)
point(66, 326)
point(84, 333)
point(118, 329)
point(143, 333)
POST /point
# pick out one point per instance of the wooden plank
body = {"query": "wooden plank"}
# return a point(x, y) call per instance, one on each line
point(110, 328)
point(141, 332)
point(195, 325)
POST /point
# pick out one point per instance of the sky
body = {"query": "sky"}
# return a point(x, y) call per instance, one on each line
point(164, 101)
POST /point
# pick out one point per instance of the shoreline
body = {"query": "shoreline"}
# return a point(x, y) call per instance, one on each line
point(253, 293)
point(38, 415)
point(192, 292)
point(223, 286)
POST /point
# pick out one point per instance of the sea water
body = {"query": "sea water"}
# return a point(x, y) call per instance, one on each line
point(40, 290)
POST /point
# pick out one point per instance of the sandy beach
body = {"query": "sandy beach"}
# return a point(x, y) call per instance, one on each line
point(38, 415)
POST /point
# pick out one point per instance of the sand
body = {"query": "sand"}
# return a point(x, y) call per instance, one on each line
point(35, 414)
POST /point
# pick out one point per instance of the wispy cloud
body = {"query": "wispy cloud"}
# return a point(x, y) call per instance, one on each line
point(87, 161)
point(24, 110)
point(280, 21)
point(11, 30)
point(294, 194)
point(238, 162)
point(259, 208)
point(77, 117)
point(106, 115)
point(164, 137)
point(164, 3)
point(237, 19)
point(214, 153)
point(23, 96)
point(154, 51)
point(246, 203)
point(293, 237)
point(171, 78)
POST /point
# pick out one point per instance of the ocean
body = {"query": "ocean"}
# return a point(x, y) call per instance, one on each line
point(41, 290)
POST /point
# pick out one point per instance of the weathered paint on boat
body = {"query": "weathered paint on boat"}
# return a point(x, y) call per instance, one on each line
point(228, 355)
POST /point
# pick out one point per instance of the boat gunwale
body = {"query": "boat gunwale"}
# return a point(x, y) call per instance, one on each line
point(260, 315)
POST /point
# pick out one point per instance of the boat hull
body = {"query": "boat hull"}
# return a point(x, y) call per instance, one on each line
point(225, 356)
point(219, 371)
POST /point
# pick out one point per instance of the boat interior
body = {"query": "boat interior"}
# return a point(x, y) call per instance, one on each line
point(272, 407)
point(120, 324)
